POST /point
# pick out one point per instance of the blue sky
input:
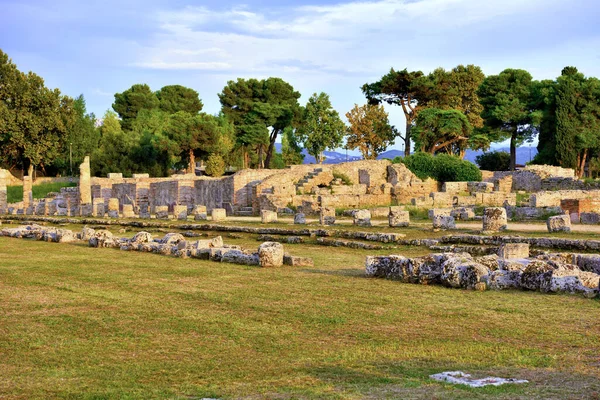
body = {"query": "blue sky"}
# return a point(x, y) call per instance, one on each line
point(99, 48)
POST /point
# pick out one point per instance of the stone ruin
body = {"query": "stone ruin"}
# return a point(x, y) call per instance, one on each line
point(269, 254)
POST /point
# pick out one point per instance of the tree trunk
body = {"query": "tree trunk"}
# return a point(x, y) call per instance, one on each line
point(581, 165)
point(407, 136)
point(192, 163)
point(260, 156)
point(272, 138)
point(513, 151)
point(30, 170)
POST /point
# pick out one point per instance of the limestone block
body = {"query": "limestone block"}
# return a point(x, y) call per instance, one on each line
point(141, 237)
point(3, 191)
point(162, 212)
point(296, 261)
point(559, 223)
point(438, 212)
point(443, 222)
point(114, 175)
point(327, 216)
point(27, 192)
point(513, 250)
point(300, 218)
point(51, 208)
point(113, 207)
point(494, 219)
point(98, 208)
point(86, 210)
point(219, 214)
point(270, 254)
point(128, 211)
point(85, 189)
point(589, 218)
point(180, 212)
point(397, 217)
point(199, 213)
point(268, 216)
point(362, 218)
point(140, 176)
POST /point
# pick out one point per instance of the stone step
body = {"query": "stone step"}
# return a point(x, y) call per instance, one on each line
point(246, 209)
point(244, 213)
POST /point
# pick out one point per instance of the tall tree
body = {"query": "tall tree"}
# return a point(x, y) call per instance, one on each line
point(544, 100)
point(442, 131)
point(129, 103)
point(175, 98)
point(369, 130)
point(115, 148)
point(291, 151)
point(402, 88)
point(507, 108)
point(321, 127)
point(260, 111)
point(33, 118)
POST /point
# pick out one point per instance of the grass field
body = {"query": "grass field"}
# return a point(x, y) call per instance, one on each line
point(77, 322)
point(15, 193)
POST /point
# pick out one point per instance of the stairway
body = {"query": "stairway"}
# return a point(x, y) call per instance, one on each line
point(303, 185)
point(245, 212)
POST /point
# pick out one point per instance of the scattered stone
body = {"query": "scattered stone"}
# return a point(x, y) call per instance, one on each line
point(362, 218)
point(398, 217)
point(161, 212)
point(514, 250)
point(199, 213)
point(559, 223)
point(443, 222)
point(460, 378)
point(180, 212)
point(270, 254)
point(327, 216)
point(219, 214)
point(128, 211)
point(439, 212)
point(113, 208)
point(295, 261)
point(494, 219)
point(300, 218)
point(268, 216)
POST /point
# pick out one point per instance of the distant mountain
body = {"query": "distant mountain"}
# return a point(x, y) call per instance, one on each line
point(524, 155)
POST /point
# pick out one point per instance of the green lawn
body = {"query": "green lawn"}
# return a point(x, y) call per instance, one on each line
point(77, 322)
point(15, 193)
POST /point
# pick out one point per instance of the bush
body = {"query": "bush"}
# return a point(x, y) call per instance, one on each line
point(344, 178)
point(442, 168)
point(450, 168)
point(215, 166)
point(494, 161)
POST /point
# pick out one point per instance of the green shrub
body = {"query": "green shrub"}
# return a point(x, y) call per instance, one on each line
point(421, 164)
point(15, 193)
point(417, 213)
point(215, 166)
point(494, 161)
point(345, 179)
point(442, 168)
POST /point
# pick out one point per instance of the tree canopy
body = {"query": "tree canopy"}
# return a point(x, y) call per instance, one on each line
point(129, 103)
point(442, 131)
point(369, 130)
point(176, 98)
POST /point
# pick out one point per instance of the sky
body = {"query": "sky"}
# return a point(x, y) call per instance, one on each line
point(100, 48)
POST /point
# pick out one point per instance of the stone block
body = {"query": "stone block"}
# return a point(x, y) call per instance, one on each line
point(180, 212)
point(589, 218)
point(443, 222)
point(98, 208)
point(362, 218)
point(270, 254)
point(161, 212)
point(219, 214)
point(114, 175)
point(513, 250)
point(295, 261)
point(113, 207)
point(140, 176)
point(199, 213)
point(86, 210)
point(268, 216)
point(128, 211)
point(559, 223)
point(27, 192)
point(327, 216)
point(398, 217)
point(494, 219)
point(85, 189)
point(438, 212)
point(300, 218)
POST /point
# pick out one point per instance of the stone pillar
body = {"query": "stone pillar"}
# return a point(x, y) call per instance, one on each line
point(27, 192)
point(180, 212)
point(494, 219)
point(199, 213)
point(327, 216)
point(98, 207)
point(128, 211)
point(219, 214)
point(362, 218)
point(51, 208)
point(113, 207)
point(85, 188)
point(267, 216)
point(3, 191)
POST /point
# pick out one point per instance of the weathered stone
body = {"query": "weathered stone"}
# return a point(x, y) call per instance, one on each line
point(172, 238)
point(3, 191)
point(270, 254)
point(180, 212)
point(100, 238)
point(443, 222)
point(462, 271)
point(299, 218)
point(113, 208)
point(439, 212)
point(219, 214)
point(268, 216)
point(161, 212)
point(362, 218)
point(514, 250)
point(128, 211)
point(559, 223)
point(296, 261)
point(294, 240)
point(85, 190)
point(98, 207)
point(199, 213)
point(327, 216)
point(27, 192)
point(589, 218)
point(141, 237)
point(397, 217)
point(87, 233)
point(494, 219)
point(209, 243)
